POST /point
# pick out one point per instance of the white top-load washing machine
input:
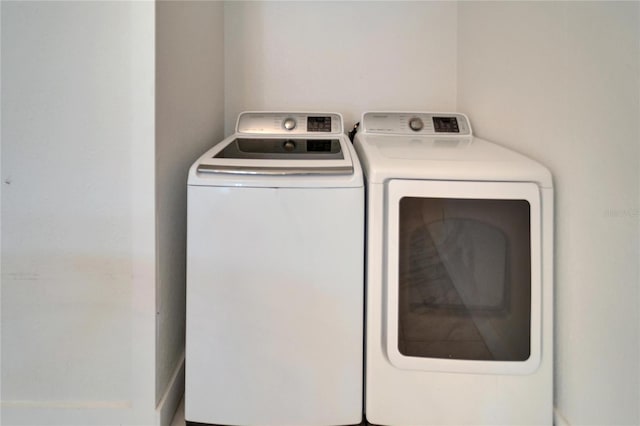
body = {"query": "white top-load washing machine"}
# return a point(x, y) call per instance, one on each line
point(459, 304)
point(275, 280)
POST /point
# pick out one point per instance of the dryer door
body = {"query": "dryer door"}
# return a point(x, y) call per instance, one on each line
point(463, 276)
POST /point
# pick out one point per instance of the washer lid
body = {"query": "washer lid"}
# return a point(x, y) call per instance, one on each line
point(261, 161)
point(281, 149)
point(277, 157)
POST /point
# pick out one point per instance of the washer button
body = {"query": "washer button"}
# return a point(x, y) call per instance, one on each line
point(416, 124)
point(289, 123)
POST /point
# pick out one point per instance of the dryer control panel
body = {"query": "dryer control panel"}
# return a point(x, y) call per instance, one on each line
point(293, 123)
point(411, 123)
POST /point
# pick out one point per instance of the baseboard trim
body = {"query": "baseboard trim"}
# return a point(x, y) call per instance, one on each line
point(72, 405)
point(558, 418)
point(171, 399)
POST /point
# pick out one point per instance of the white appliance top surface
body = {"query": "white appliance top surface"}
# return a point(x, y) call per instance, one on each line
point(407, 154)
point(276, 149)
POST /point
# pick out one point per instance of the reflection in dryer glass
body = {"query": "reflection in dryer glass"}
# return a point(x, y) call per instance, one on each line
point(464, 279)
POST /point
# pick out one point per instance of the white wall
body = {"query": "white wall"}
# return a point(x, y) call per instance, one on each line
point(339, 56)
point(77, 199)
point(189, 120)
point(561, 83)
point(95, 157)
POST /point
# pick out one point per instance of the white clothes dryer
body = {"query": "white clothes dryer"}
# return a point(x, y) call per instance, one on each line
point(275, 293)
point(459, 287)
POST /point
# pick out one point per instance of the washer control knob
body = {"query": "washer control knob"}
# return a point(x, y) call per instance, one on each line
point(416, 124)
point(289, 146)
point(289, 123)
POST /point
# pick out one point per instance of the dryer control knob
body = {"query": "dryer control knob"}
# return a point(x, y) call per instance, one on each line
point(416, 124)
point(289, 145)
point(289, 123)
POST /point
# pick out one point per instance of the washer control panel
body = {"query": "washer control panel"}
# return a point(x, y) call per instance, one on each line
point(411, 123)
point(289, 123)
point(294, 123)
